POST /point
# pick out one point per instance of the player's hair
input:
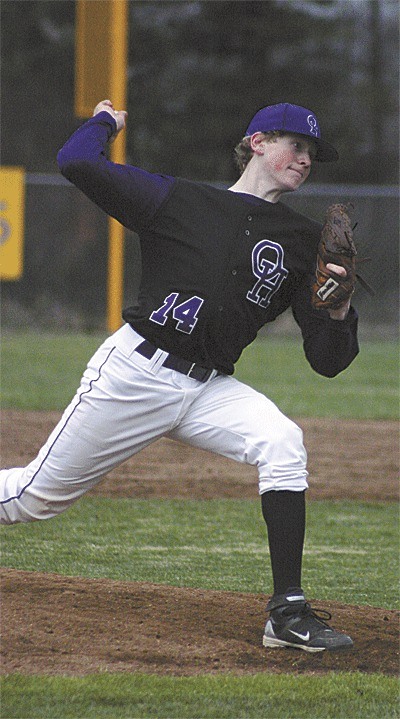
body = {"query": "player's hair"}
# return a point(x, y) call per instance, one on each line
point(243, 152)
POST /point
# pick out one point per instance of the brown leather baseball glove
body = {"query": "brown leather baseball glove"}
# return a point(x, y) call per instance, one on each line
point(331, 291)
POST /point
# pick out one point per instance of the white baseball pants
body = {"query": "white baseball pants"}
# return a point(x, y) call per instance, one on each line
point(124, 403)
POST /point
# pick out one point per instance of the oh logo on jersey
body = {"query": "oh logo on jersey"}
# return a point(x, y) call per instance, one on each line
point(267, 263)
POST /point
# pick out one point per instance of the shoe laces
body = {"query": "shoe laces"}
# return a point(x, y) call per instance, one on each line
point(321, 615)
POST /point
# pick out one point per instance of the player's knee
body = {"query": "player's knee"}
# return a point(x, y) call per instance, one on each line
point(286, 439)
point(294, 435)
point(283, 460)
point(289, 450)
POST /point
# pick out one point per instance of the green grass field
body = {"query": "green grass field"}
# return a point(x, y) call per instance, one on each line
point(218, 544)
point(113, 696)
point(40, 371)
point(213, 544)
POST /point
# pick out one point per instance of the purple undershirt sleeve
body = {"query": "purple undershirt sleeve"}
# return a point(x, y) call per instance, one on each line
point(129, 194)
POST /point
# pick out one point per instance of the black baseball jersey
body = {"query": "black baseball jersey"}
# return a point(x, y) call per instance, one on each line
point(216, 265)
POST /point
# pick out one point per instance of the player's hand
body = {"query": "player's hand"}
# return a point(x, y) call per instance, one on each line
point(118, 115)
point(337, 269)
point(341, 313)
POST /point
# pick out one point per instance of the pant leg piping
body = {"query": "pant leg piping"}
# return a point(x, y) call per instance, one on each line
point(96, 379)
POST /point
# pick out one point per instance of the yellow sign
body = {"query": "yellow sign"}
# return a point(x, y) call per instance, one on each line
point(12, 205)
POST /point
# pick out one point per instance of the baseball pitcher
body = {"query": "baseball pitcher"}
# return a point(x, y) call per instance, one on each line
point(217, 265)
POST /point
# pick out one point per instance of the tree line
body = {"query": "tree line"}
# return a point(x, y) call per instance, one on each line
point(198, 71)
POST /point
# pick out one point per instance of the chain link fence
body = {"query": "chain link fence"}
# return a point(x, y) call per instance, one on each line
point(66, 245)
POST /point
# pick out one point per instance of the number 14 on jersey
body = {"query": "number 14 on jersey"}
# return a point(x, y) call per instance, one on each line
point(184, 313)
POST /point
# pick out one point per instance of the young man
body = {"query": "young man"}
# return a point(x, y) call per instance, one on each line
point(217, 265)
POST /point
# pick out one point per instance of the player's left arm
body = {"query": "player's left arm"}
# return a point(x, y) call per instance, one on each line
point(329, 337)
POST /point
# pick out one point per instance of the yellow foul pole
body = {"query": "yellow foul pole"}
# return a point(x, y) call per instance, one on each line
point(100, 74)
point(118, 85)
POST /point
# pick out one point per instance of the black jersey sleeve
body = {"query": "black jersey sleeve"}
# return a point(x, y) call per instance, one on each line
point(329, 345)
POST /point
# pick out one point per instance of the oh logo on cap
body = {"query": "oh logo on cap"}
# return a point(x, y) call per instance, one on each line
point(313, 125)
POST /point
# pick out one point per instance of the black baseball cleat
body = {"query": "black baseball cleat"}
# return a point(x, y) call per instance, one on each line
point(293, 623)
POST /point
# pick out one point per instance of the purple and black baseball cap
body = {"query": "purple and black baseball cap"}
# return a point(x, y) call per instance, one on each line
point(292, 118)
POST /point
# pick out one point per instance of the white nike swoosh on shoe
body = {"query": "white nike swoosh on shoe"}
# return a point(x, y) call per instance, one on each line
point(299, 598)
point(305, 637)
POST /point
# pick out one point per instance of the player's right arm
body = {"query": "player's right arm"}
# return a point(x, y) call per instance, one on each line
point(128, 193)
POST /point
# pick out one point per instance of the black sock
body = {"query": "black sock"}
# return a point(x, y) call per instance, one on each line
point(284, 513)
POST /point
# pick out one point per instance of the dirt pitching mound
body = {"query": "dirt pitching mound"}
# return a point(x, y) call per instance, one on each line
point(72, 626)
point(69, 625)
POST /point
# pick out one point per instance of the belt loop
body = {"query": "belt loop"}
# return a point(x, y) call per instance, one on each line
point(158, 360)
point(191, 368)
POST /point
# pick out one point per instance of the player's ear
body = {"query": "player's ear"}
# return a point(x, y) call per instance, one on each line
point(257, 143)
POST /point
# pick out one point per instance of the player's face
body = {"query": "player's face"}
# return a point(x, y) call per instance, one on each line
point(287, 161)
